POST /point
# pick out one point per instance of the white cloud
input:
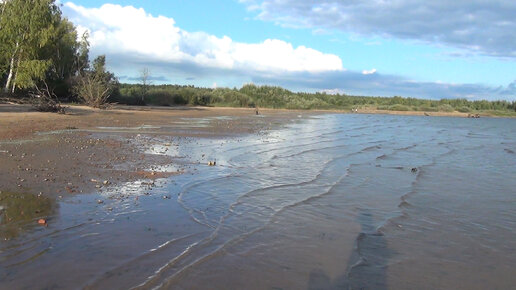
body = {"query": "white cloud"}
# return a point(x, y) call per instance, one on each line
point(369, 72)
point(477, 26)
point(133, 39)
point(134, 33)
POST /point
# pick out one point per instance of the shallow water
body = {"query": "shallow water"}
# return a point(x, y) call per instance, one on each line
point(328, 202)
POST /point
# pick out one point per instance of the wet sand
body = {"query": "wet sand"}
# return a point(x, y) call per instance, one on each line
point(295, 201)
point(55, 154)
point(88, 149)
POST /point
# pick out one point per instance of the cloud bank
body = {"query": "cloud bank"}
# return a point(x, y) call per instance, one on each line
point(133, 32)
point(477, 26)
point(133, 39)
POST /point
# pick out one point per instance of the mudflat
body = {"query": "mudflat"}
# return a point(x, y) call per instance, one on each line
point(202, 198)
point(86, 149)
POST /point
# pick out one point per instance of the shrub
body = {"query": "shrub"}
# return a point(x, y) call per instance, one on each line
point(445, 108)
point(399, 108)
point(93, 90)
point(428, 109)
point(464, 109)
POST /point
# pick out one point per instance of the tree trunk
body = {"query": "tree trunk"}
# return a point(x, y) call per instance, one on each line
point(10, 76)
point(15, 75)
point(11, 70)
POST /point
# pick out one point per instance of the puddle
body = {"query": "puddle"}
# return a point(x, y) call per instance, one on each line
point(143, 127)
point(20, 212)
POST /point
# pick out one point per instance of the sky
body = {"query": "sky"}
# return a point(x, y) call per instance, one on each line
point(424, 49)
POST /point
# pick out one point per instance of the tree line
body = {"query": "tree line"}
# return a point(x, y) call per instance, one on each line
point(42, 56)
point(251, 95)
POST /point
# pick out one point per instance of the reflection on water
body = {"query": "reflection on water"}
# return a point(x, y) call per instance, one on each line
point(327, 203)
point(21, 211)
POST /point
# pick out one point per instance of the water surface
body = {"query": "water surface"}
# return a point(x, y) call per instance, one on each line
point(330, 202)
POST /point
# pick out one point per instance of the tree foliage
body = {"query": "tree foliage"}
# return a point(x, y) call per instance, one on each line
point(251, 95)
point(94, 86)
point(38, 47)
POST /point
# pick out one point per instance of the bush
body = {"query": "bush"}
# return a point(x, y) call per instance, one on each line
point(95, 86)
point(464, 109)
point(399, 108)
point(445, 108)
point(428, 109)
point(165, 98)
point(93, 90)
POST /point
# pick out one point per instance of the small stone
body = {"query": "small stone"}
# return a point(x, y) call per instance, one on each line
point(99, 201)
point(42, 221)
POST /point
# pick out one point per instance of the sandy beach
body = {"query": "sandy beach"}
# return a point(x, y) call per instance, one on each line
point(87, 149)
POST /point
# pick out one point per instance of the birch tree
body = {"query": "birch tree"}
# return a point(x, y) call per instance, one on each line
point(26, 26)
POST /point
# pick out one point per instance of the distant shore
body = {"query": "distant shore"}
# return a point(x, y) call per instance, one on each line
point(420, 113)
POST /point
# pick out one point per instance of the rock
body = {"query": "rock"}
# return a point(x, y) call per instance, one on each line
point(414, 170)
point(99, 201)
point(42, 221)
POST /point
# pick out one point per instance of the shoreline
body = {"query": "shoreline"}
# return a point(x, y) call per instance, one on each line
point(88, 149)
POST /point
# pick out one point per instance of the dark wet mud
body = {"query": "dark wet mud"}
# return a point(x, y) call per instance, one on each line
point(331, 202)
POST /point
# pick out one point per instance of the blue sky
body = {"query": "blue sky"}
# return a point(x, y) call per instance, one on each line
point(466, 49)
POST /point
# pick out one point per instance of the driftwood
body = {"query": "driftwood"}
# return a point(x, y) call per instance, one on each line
point(45, 100)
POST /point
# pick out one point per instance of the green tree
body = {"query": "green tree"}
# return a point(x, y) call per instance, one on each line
point(145, 82)
point(95, 86)
point(26, 26)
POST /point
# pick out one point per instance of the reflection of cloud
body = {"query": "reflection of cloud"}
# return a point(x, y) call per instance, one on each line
point(133, 33)
point(477, 25)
